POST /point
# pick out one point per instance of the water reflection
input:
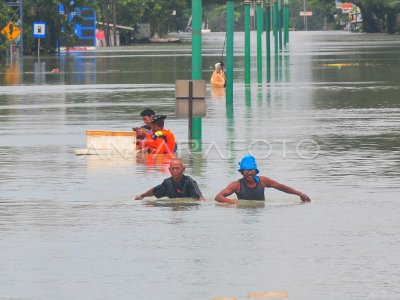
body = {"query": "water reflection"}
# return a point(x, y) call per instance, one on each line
point(40, 72)
point(218, 93)
point(12, 73)
point(180, 204)
point(155, 162)
point(77, 68)
point(244, 204)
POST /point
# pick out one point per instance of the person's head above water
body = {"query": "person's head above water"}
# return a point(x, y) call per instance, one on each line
point(176, 168)
point(158, 121)
point(248, 162)
point(146, 115)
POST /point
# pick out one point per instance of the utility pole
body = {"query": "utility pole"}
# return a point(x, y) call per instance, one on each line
point(114, 4)
point(21, 47)
point(305, 17)
point(18, 4)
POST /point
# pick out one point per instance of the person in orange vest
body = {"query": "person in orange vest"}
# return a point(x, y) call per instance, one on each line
point(218, 76)
point(159, 140)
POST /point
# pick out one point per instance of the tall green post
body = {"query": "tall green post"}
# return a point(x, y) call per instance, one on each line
point(280, 22)
point(275, 24)
point(286, 16)
point(247, 41)
point(197, 13)
point(268, 37)
point(260, 27)
point(229, 51)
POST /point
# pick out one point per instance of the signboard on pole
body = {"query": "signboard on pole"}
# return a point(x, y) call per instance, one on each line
point(39, 30)
point(190, 93)
point(306, 13)
point(11, 32)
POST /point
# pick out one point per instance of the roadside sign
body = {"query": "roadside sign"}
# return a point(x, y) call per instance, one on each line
point(306, 13)
point(11, 32)
point(190, 98)
point(39, 30)
point(182, 89)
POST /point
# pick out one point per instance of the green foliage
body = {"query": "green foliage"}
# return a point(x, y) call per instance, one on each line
point(379, 16)
point(5, 16)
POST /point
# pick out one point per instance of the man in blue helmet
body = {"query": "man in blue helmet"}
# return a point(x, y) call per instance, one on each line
point(251, 186)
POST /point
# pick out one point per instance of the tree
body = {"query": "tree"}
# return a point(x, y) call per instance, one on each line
point(378, 15)
point(159, 14)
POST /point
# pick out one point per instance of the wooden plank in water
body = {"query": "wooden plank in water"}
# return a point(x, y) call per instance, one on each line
point(109, 133)
point(275, 294)
point(119, 141)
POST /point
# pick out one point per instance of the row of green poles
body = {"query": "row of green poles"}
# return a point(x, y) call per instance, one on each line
point(286, 21)
point(280, 24)
point(268, 37)
point(197, 12)
point(280, 19)
point(260, 29)
point(247, 60)
point(229, 52)
point(275, 25)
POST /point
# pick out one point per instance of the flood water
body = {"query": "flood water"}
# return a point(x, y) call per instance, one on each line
point(326, 122)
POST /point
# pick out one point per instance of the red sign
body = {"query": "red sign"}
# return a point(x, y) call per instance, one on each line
point(346, 7)
point(100, 34)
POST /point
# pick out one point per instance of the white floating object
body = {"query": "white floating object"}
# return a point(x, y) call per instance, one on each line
point(102, 142)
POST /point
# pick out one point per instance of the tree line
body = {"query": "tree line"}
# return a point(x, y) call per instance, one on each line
point(174, 15)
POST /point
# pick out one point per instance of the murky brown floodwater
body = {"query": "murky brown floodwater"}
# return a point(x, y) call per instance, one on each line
point(326, 123)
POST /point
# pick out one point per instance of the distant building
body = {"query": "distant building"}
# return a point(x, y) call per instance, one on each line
point(85, 32)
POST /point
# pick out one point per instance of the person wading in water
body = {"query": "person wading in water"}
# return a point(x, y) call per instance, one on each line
point(251, 186)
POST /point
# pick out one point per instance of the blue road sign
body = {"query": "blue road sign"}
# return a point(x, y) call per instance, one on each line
point(39, 30)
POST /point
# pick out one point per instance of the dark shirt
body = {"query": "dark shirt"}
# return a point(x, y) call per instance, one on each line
point(186, 188)
point(246, 193)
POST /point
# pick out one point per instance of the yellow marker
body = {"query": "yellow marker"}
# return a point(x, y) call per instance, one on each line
point(11, 32)
point(340, 65)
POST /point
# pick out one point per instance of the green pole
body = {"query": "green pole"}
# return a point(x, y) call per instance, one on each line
point(247, 95)
point(247, 41)
point(275, 24)
point(286, 16)
point(229, 52)
point(280, 23)
point(196, 66)
point(260, 26)
point(268, 37)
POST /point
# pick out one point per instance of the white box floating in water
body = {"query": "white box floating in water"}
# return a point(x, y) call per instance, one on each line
point(102, 142)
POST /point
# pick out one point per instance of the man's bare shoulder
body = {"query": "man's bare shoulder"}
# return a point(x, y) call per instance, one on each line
point(235, 185)
point(266, 181)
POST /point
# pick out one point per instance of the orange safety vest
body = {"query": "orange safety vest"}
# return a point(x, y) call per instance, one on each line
point(160, 142)
point(218, 79)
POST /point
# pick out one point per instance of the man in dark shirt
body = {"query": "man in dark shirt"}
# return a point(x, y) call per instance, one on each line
point(176, 186)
